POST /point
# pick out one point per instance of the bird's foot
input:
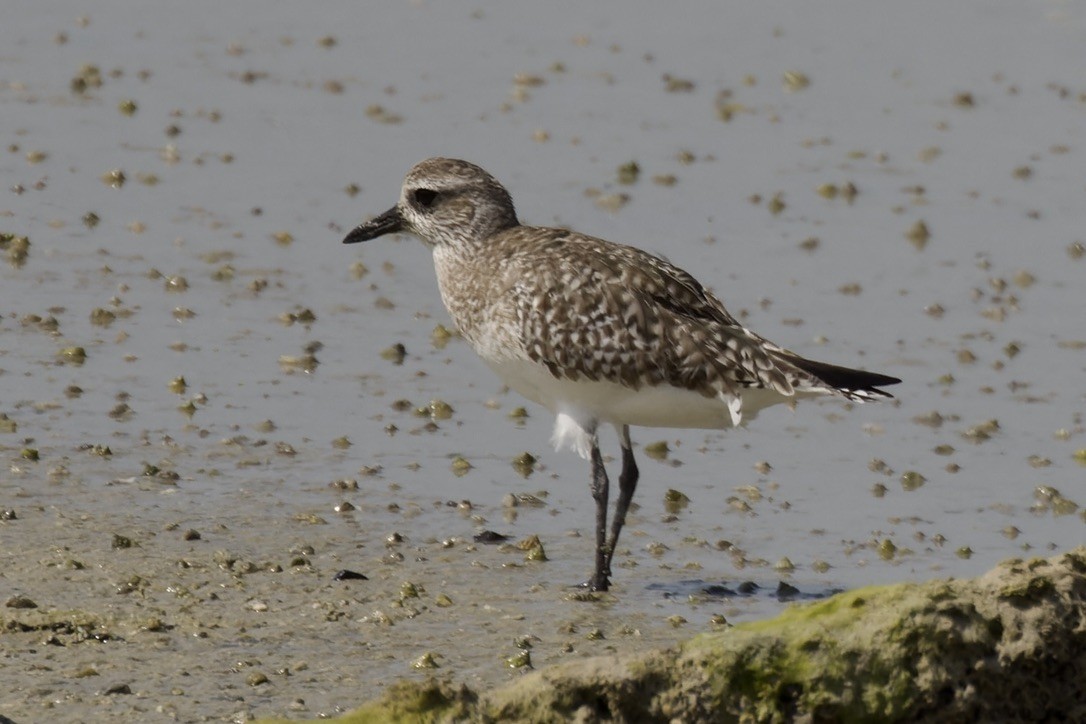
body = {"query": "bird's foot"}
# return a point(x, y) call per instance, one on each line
point(598, 582)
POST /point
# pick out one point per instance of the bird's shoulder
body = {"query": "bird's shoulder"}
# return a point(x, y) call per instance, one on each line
point(551, 261)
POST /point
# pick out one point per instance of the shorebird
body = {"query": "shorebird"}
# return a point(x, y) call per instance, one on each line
point(596, 332)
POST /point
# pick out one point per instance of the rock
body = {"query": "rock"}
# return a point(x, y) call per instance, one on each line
point(1010, 645)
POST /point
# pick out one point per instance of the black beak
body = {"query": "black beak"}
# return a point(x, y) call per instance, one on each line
point(387, 223)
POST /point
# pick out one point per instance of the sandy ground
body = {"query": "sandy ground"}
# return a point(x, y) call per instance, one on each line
point(170, 617)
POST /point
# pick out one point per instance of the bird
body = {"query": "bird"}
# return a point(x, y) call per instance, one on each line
point(597, 332)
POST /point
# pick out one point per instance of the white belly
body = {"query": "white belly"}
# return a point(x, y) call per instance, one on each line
point(588, 401)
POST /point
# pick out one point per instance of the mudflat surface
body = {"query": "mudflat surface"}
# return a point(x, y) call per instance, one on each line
point(173, 494)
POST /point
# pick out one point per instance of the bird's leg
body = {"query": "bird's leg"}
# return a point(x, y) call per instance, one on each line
point(600, 485)
point(627, 484)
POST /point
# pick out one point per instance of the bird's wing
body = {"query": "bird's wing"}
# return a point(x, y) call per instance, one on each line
point(778, 368)
point(608, 312)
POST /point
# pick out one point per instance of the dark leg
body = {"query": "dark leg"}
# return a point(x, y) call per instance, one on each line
point(627, 484)
point(600, 486)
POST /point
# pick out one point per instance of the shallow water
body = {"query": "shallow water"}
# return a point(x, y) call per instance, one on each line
point(255, 118)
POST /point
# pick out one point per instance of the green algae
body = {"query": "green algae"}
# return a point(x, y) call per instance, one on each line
point(408, 702)
point(1006, 644)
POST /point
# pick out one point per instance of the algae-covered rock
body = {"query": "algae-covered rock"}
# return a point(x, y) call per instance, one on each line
point(1010, 645)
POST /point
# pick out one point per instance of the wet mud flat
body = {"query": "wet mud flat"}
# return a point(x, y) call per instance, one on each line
point(131, 601)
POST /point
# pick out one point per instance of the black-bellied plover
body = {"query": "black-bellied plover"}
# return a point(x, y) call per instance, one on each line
point(594, 331)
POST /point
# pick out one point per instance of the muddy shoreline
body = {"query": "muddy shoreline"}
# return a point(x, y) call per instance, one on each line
point(209, 406)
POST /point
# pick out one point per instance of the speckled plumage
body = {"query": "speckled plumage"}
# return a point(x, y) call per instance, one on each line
point(595, 331)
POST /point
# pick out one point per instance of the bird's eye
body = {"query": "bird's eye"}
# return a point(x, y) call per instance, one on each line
point(425, 197)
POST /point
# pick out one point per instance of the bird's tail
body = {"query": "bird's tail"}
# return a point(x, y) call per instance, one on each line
point(854, 384)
